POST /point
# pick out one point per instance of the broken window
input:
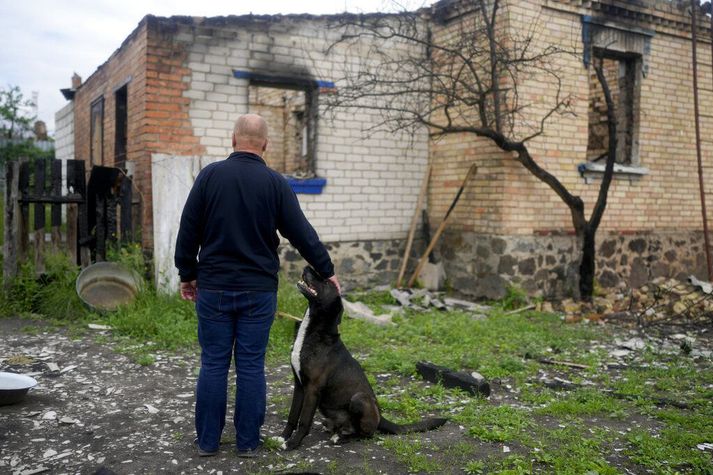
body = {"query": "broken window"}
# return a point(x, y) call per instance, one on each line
point(622, 73)
point(286, 109)
point(96, 132)
point(120, 131)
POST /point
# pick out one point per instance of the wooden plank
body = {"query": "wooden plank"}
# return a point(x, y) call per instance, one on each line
point(59, 200)
point(79, 185)
point(414, 220)
point(125, 196)
point(39, 190)
point(111, 215)
point(24, 229)
point(39, 225)
point(100, 229)
point(56, 169)
point(72, 235)
point(12, 231)
point(471, 171)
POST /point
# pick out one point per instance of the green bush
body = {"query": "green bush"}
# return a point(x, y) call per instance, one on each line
point(514, 298)
point(51, 293)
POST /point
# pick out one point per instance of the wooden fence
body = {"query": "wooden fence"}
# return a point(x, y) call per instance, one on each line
point(49, 207)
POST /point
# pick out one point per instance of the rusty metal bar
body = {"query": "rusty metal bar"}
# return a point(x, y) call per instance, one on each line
point(694, 39)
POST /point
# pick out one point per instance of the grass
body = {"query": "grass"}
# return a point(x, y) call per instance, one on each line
point(585, 430)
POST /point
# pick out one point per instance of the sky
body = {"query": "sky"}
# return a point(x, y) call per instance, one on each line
point(43, 42)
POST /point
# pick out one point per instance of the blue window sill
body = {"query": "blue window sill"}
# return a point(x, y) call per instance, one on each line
point(307, 186)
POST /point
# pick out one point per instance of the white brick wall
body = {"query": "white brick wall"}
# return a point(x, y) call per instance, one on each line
point(64, 132)
point(372, 182)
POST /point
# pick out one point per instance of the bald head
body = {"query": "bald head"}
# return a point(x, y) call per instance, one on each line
point(250, 134)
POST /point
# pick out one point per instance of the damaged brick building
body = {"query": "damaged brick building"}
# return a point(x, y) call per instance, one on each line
point(164, 103)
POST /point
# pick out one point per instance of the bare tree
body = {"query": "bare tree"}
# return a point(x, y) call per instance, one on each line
point(467, 82)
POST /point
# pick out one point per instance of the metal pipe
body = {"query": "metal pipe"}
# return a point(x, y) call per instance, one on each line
point(694, 40)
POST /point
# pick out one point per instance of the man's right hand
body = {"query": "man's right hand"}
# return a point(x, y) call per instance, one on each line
point(335, 281)
point(189, 291)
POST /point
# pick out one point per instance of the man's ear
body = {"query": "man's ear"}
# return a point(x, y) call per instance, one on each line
point(234, 141)
point(264, 146)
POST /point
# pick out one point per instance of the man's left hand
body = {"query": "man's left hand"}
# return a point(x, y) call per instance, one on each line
point(189, 291)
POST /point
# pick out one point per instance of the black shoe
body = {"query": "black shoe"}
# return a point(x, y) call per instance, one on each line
point(250, 453)
point(204, 453)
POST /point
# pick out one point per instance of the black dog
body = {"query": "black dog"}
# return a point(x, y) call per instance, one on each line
point(328, 377)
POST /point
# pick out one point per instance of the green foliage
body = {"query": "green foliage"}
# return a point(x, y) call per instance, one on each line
point(129, 255)
point(496, 423)
point(163, 319)
point(20, 294)
point(409, 451)
point(673, 449)
point(374, 300)
point(14, 120)
point(51, 294)
point(515, 298)
point(57, 298)
point(23, 149)
point(584, 402)
point(475, 467)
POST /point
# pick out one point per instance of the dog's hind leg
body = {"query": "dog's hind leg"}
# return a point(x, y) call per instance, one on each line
point(295, 408)
point(365, 413)
point(309, 407)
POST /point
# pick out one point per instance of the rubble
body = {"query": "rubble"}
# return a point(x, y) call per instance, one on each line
point(422, 299)
point(664, 300)
point(361, 311)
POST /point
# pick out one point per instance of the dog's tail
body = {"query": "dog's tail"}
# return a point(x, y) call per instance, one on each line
point(388, 427)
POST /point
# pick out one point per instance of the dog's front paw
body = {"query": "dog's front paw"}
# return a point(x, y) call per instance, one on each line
point(291, 444)
point(287, 433)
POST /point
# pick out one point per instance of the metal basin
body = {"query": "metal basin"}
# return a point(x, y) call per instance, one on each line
point(14, 387)
point(105, 286)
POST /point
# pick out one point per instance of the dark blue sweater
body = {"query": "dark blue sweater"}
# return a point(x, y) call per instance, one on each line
point(232, 214)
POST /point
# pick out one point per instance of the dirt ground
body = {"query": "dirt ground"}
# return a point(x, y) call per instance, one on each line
point(94, 409)
point(101, 410)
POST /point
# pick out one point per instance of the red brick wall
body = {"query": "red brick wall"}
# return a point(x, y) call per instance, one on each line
point(157, 113)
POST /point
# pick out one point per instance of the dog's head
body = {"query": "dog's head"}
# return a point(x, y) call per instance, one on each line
point(322, 294)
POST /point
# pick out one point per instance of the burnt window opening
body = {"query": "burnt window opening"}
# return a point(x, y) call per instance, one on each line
point(622, 73)
point(96, 132)
point(120, 132)
point(288, 110)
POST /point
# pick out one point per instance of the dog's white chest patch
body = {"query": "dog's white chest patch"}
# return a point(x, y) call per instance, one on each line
point(297, 346)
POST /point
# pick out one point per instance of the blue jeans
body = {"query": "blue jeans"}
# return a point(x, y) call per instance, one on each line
point(232, 323)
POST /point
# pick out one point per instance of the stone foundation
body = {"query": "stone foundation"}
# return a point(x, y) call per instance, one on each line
point(358, 264)
point(482, 266)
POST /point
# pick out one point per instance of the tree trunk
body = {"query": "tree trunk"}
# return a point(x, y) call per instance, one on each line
point(588, 264)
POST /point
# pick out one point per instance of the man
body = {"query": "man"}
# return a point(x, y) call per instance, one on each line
point(231, 216)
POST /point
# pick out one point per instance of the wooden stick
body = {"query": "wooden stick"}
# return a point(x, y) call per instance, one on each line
point(288, 316)
point(414, 220)
point(471, 171)
point(521, 309)
point(563, 363)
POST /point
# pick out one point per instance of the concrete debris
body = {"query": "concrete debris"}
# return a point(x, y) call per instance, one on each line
point(632, 344)
point(49, 416)
point(422, 299)
point(664, 300)
point(53, 367)
point(95, 326)
point(361, 311)
point(660, 301)
point(432, 276)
